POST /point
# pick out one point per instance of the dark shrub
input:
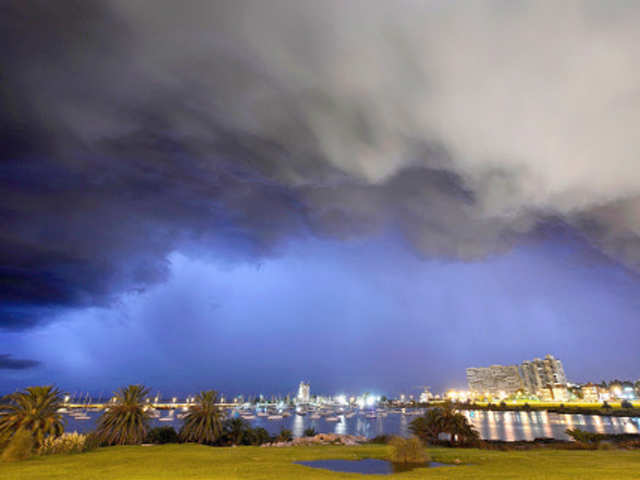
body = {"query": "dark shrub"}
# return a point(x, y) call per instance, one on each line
point(380, 439)
point(234, 432)
point(163, 435)
point(629, 444)
point(284, 436)
point(310, 432)
point(582, 436)
point(257, 436)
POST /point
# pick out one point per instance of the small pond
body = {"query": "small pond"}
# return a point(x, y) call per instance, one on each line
point(367, 466)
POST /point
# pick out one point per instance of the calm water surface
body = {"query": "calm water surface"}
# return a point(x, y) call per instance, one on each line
point(509, 426)
point(366, 466)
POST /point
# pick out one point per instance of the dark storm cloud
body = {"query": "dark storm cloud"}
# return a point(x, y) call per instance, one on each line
point(134, 129)
point(8, 363)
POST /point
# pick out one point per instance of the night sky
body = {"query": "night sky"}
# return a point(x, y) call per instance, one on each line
point(368, 195)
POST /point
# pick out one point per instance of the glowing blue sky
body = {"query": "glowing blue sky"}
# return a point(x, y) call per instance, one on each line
point(348, 316)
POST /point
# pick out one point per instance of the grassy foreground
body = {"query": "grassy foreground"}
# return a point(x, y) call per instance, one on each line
point(196, 462)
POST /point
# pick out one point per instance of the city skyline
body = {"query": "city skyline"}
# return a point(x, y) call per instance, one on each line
point(368, 195)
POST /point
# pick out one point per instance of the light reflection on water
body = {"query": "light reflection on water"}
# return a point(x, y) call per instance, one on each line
point(491, 425)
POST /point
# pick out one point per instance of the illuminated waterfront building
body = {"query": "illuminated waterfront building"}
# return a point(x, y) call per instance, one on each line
point(545, 394)
point(425, 396)
point(540, 373)
point(529, 376)
point(590, 393)
point(304, 393)
point(495, 379)
point(560, 392)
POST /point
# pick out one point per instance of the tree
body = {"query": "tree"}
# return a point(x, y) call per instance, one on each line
point(429, 426)
point(203, 421)
point(461, 431)
point(34, 410)
point(443, 420)
point(126, 422)
point(235, 430)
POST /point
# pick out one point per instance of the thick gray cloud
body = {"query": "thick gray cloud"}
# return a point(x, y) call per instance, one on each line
point(136, 128)
point(8, 363)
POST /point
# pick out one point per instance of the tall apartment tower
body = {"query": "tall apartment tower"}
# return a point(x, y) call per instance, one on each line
point(304, 393)
point(530, 376)
point(556, 369)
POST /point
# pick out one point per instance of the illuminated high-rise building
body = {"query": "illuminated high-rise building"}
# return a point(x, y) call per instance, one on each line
point(530, 376)
point(304, 393)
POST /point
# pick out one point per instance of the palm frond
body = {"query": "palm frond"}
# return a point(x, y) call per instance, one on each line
point(203, 422)
point(126, 422)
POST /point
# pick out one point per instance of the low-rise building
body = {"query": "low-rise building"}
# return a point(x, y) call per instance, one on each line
point(560, 392)
point(425, 396)
point(628, 392)
point(590, 393)
point(545, 394)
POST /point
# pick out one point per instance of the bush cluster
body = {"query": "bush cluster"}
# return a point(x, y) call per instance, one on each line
point(161, 435)
point(66, 443)
point(234, 432)
point(408, 450)
point(592, 439)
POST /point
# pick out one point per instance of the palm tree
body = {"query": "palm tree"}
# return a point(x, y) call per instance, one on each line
point(443, 420)
point(428, 427)
point(126, 422)
point(236, 430)
point(34, 410)
point(459, 428)
point(203, 421)
point(457, 425)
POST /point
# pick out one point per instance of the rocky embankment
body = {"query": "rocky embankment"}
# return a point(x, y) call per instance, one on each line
point(320, 439)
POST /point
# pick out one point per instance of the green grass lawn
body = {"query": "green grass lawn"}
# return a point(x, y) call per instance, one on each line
point(195, 462)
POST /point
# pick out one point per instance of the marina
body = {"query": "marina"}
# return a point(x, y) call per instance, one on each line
point(492, 425)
